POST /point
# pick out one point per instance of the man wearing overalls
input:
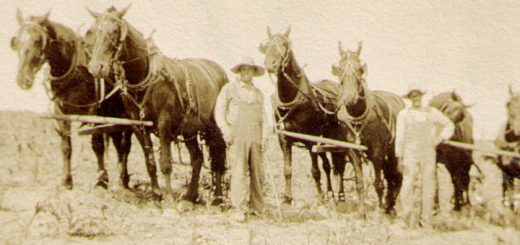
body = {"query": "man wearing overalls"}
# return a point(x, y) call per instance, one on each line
point(417, 135)
point(239, 113)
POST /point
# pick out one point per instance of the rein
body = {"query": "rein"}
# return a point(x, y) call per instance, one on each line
point(99, 84)
point(299, 98)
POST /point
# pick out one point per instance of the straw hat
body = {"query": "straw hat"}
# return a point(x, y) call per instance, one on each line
point(414, 90)
point(249, 62)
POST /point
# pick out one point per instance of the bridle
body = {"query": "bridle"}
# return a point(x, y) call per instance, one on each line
point(300, 97)
point(355, 123)
point(41, 32)
point(351, 70)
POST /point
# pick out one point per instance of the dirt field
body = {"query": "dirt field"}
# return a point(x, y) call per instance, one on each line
point(35, 210)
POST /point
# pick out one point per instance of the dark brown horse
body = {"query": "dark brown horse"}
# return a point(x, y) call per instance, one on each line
point(72, 87)
point(509, 139)
point(177, 95)
point(299, 107)
point(457, 161)
point(371, 117)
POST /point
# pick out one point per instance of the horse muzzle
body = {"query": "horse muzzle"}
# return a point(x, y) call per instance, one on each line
point(24, 81)
point(98, 70)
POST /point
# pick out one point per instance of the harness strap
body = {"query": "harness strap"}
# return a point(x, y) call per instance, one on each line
point(390, 123)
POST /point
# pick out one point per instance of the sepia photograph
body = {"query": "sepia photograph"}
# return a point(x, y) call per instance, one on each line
point(260, 122)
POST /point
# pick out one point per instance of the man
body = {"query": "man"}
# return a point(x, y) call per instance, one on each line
point(239, 113)
point(416, 138)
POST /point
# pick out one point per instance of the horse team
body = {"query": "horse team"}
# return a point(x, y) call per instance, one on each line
point(114, 71)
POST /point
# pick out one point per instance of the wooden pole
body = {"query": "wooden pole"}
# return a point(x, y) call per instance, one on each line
point(104, 128)
point(100, 120)
point(479, 148)
point(322, 140)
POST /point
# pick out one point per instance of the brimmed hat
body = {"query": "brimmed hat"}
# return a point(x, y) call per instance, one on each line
point(413, 93)
point(414, 90)
point(250, 62)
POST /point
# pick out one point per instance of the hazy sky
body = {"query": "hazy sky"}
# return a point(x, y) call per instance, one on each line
point(470, 46)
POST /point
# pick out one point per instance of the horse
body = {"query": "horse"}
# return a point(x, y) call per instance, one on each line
point(457, 161)
point(371, 117)
point(178, 96)
point(72, 88)
point(509, 139)
point(302, 107)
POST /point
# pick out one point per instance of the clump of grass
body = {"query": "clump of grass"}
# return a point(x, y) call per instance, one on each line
point(83, 215)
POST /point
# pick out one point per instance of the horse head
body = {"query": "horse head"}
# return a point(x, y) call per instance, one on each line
point(277, 49)
point(454, 109)
point(106, 38)
point(513, 111)
point(350, 72)
point(30, 43)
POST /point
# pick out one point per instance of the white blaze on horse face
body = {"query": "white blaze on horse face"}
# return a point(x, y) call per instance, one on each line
point(276, 50)
point(351, 78)
point(104, 46)
point(28, 45)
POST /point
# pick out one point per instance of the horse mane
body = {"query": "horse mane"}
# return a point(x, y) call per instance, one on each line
point(58, 31)
point(463, 129)
point(298, 76)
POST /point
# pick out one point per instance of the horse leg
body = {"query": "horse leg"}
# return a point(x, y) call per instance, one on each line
point(98, 145)
point(455, 174)
point(326, 168)
point(196, 159)
point(507, 188)
point(378, 182)
point(217, 154)
point(122, 143)
point(465, 179)
point(165, 158)
point(315, 171)
point(143, 136)
point(394, 180)
point(287, 169)
point(66, 151)
point(358, 171)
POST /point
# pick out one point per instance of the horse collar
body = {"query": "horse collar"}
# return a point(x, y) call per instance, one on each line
point(73, 63)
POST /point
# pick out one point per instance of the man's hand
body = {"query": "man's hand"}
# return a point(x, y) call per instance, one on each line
point(439, 140)
point(400, 166)
point(263, 145)
point(228, 137)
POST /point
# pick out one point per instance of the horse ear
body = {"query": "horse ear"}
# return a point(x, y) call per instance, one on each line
point(269, 34)
point(360, 47)
point(335, 70)
point(364, 69)
point(19, 16)
point(45, 17)
point(262, 48)
point(340, 48)
point(14, 43)
point(454, 96)
point(468, 106)
point(93, 14)
point(123, 11)
point(288, 32)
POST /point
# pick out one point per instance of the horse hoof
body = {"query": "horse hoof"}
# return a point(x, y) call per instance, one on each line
point(102, 184)
point(342, 207)
point(185, 206)
point(67, 183)
point(217, 201)
point(287, 200)
point(124, 182)
point(391, 213)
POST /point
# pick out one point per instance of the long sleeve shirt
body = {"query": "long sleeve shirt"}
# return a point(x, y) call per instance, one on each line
point(226, 108)
point(418, 128)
